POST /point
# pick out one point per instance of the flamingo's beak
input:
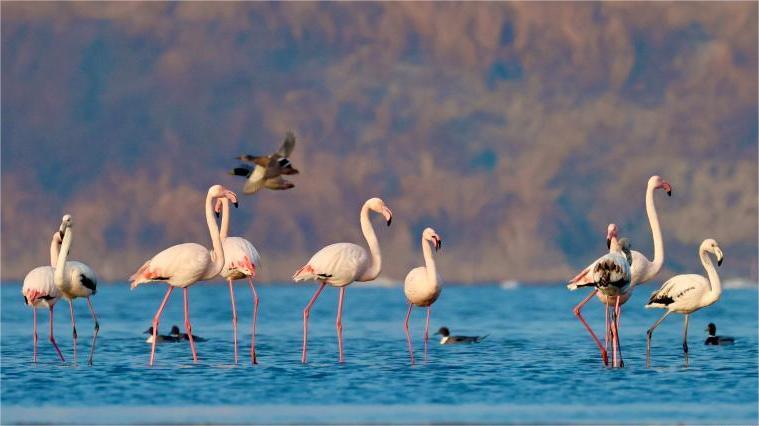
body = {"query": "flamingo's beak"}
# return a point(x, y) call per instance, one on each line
point(231, 196)
point(720, 257)
point(608, 242)
point(667, 187)
point(388, 214)
point(438, 242)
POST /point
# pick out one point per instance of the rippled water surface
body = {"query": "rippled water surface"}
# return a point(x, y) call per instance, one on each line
point(537, 365)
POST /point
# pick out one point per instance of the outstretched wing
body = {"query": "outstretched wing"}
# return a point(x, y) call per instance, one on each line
point(259, 161)
point(287, 145)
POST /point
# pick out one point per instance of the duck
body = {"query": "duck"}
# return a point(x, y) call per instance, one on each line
point(176, 334)
point(160, 338)
point(454, 340)
point(717, 340)
point(267, 171)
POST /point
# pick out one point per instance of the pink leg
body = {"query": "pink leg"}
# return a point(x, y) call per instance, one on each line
point(95, 334)
point(339, 324)
point(255, 318)
point(427, 332)
point(52, 337)
point(408, 335)
point(306, 314)
point(34, 336)
point(188, 326)
point(234, 315)
point(616, 328)
point(73, 326)
point(606, 327)
point(156, 319)
point(577, 313)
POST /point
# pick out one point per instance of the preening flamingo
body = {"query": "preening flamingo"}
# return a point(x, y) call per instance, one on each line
point(642, 269)
point(687, 293)
point(74, 279)
point(39, 291)
point(422, 286)
point(341, 264)
point(240, 261)
point(610, 275)
point(185, 264)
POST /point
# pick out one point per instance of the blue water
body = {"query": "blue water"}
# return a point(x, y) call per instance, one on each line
point(537, 365)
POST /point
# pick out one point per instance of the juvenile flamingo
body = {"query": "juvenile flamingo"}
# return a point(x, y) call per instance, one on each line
point(240, 261)
point(687, 293)
point(642, 270)
point(422, 286)
point(609, 274)
point(185, 264)
point(73, 280)
point(341, 264)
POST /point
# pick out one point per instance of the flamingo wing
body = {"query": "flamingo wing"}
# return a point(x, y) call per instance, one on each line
point(338, 264)
point(39, 287)
point(180, 265)
point(679, 289)
point(240, 256)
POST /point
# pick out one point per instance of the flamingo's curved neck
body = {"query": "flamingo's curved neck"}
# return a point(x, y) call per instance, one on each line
point(60, 264)
point(429, 263)
point(371, 239)
point(224, 219)
point(714, 282)
point(653, 219)
point(54, 250)
point(217, 255)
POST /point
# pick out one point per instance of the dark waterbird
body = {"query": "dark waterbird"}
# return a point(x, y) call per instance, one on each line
point(267, 171)
point(455, 340)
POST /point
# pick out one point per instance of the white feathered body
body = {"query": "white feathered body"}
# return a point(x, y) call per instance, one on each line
point(255, 181)
point(79, 280)
point(683, 294)
point(418, 289)
point(181, 266)
point(39, 288)
point(610, 273)
point(243, 255)
point(337, 264)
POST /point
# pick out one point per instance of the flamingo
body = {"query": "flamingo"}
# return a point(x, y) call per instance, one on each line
point(610, 274)
point(642, 270)
point(74, 279)
point(341, 264)
point(240, 261)
point(687, 293)
point(185, 264)
point(39, 291)
point(422, 286)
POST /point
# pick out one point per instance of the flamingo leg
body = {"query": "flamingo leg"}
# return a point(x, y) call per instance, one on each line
point(427, 332)
point(52, 337)
point(234, 315)
point(685, 339)
point(73, 326)
point(34, 336)
point(339, 323)
point(649, 334)
point(306, 314)
point(613, 332)
point(188, 326)
point(95, 334)
point(607, 330)
point(255, 318)
point(156, 319)
point(578, 314)
point(616, 327)
point(408, 335)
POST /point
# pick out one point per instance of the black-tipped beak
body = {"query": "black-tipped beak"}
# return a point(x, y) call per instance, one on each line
point(669, 193)
point(608, 243)
point(61, 234)
point(236, 204)
point(719, 262)
point(390, 221)
point(438, 243)
point(217, 214)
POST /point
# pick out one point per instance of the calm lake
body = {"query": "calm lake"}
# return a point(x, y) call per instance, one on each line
point(538, 364)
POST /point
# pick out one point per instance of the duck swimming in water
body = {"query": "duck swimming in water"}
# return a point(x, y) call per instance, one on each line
point(176, 334)
point(454, 340)
point(713, 339)
point(165, 338)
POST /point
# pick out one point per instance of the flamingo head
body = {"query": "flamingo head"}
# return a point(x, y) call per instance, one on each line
point(430, 235)
point(711, 246)
point(658, 182)
point(377, 205)
point(218, 191)
point(611, 233)
point(66, 223)
point(219, 205)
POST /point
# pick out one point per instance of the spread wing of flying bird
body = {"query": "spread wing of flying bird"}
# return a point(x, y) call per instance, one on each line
point(267, 171)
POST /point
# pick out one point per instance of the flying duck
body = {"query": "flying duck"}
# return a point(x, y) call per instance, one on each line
point(267, 171)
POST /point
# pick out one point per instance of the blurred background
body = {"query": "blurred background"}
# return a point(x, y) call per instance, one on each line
point(517, 131)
